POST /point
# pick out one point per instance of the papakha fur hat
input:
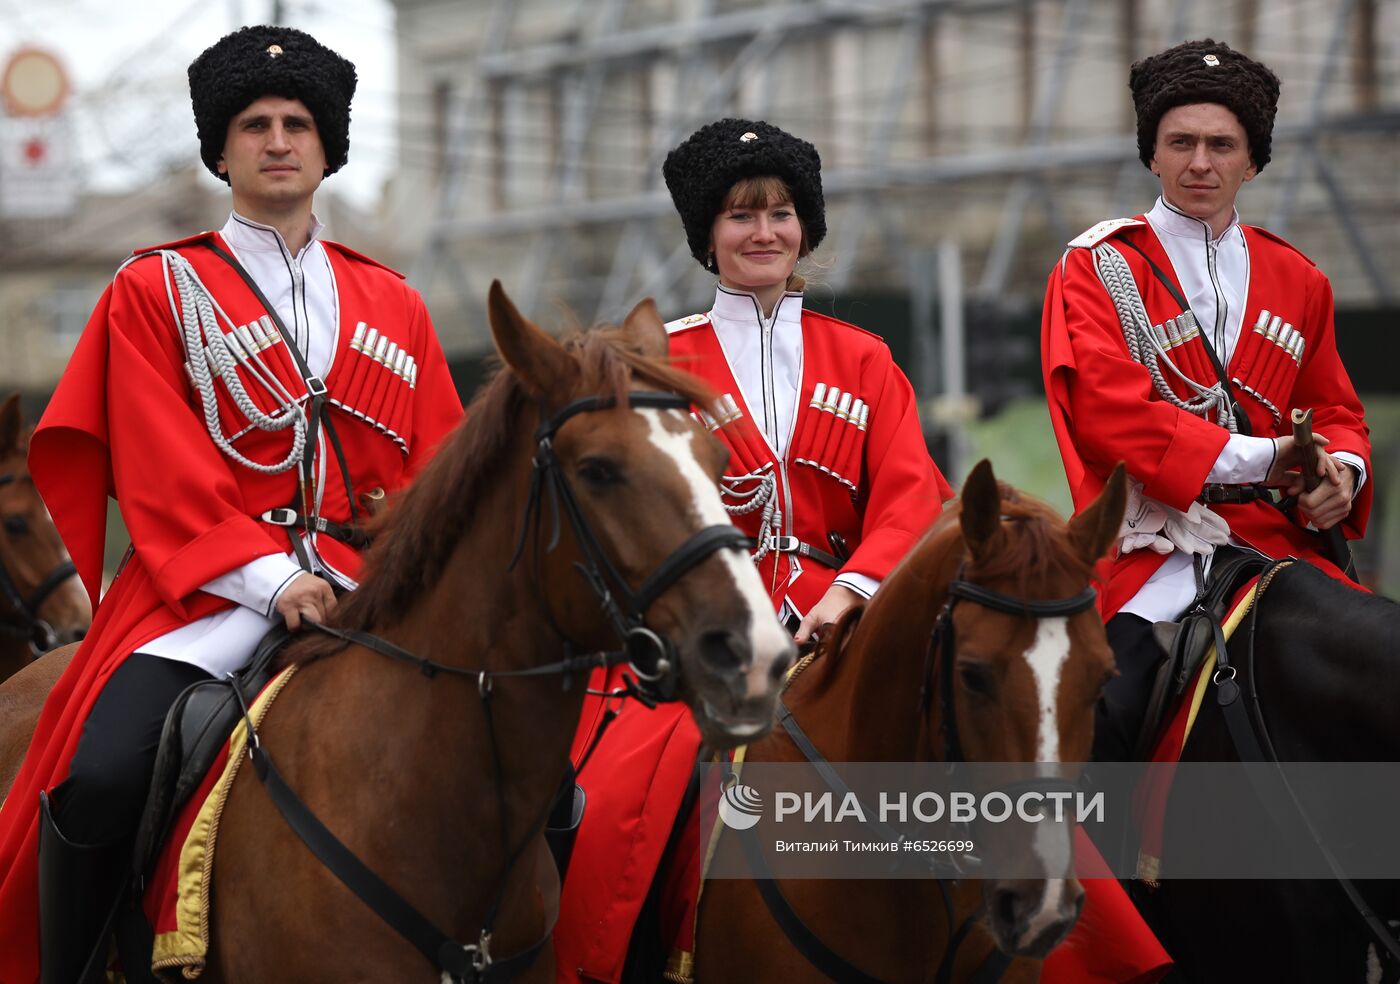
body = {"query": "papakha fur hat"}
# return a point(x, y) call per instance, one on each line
point(700, 172)
point(268, 60)
point(1205, 72)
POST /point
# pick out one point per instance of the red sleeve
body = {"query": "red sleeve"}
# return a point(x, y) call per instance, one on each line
point(1323, 385)
point(177, 492)
point(1108, 401)
point(902, 490)
point(436, 406)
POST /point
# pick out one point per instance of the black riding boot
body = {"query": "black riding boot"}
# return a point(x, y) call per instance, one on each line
point(562, 828)
point(78, 889)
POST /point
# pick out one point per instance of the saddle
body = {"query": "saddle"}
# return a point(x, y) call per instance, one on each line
point(1186, 641)
point(196, 727)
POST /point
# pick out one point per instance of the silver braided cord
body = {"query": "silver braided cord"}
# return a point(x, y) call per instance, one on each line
point(1117, 278)
point(208, 355)
point(754, 491)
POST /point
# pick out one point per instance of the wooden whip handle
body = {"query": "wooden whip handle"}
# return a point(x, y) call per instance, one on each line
point(1307, 447)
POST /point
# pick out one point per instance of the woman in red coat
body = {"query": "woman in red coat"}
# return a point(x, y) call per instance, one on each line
point(829, 473)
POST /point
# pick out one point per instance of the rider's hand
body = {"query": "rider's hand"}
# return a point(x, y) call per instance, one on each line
point(306, 597)
point(834, 604)
point(1288, 459)
point(1329, 503)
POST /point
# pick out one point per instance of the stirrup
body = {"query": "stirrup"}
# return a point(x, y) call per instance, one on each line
point(80, 887)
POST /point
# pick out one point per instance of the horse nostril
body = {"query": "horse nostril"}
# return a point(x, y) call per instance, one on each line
point(1008, 912)
point(721, 650)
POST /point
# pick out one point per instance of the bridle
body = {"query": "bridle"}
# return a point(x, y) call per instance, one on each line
point(942, 645)
point(23, 621)
point(940, 648)
point(649, 655)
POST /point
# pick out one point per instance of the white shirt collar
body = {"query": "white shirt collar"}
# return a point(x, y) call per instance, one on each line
point(243, 233)
point(742, 306)
point(1167, 218)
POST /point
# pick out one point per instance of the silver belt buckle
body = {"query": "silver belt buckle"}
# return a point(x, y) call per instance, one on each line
point(784, 544)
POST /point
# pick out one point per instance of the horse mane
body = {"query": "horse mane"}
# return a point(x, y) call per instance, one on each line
point(1034, 545)
point(415, 538)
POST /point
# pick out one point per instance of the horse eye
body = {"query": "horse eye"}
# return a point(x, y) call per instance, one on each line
point(599, 472)
point(976, 679)
point(16, 525)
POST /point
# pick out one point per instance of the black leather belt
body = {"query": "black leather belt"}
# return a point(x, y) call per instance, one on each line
point(1234, 494)
point(350, 535)
point(791, 544)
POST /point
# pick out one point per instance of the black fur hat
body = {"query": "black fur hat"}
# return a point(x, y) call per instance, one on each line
point(1205, 72)
point(253, 62)
point(700, 172)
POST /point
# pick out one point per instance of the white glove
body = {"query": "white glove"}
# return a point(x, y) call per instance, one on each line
point(1156, 526)
point(1198, 530)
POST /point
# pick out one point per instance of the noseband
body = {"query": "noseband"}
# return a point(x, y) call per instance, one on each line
point(650, 656)
point(24, 621)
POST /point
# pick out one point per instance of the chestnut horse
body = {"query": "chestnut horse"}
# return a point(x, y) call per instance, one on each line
point(439, 782)
point(42, 603)
point(1023, 690)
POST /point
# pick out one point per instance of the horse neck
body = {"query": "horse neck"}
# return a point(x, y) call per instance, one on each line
point(14, 656)
point(440, 731)
point(483, 616)
point(866, 705)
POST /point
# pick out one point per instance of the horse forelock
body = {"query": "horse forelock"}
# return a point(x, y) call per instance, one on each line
point(416, 537)
point(1034, 550)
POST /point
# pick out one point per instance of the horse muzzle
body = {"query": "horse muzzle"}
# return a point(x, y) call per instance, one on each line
point(736, 689)
point(1031, 918)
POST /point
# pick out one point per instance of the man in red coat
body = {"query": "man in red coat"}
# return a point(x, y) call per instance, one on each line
point(235, 392)
point(1178, 342)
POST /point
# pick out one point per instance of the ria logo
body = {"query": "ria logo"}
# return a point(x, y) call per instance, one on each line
point(741, 806)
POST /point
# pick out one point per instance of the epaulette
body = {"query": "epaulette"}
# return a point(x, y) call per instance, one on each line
point(196, 238)
point(1281, 241)
point(355, 254)
point(1096, 234)
point(681, 324)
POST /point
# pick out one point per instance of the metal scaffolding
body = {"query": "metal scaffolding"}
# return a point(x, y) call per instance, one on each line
point(716, 53)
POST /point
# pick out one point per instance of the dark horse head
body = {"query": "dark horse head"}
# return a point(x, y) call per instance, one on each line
point(42, 602)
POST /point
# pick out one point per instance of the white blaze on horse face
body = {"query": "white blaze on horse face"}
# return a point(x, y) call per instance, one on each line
point(1052, 844)
point(1046, 656)
point(767, 640)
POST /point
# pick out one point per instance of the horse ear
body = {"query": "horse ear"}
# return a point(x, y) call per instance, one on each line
point(645, 330)
point(981, 508)
point(11, 419)
point(539, 361)
point(1095, 529)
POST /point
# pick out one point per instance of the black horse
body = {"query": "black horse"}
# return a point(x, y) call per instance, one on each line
point(1324, 667)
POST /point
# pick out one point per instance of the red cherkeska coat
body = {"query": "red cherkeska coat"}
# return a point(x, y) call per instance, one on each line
point(1104, 407)
point(874, 485)
point(126, 422)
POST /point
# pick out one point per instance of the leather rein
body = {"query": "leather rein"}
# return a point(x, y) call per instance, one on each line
point(650, 656)
point(24, 621)
point(940, 648)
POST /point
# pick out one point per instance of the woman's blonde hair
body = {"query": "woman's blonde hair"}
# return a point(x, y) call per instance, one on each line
point(759, 192)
